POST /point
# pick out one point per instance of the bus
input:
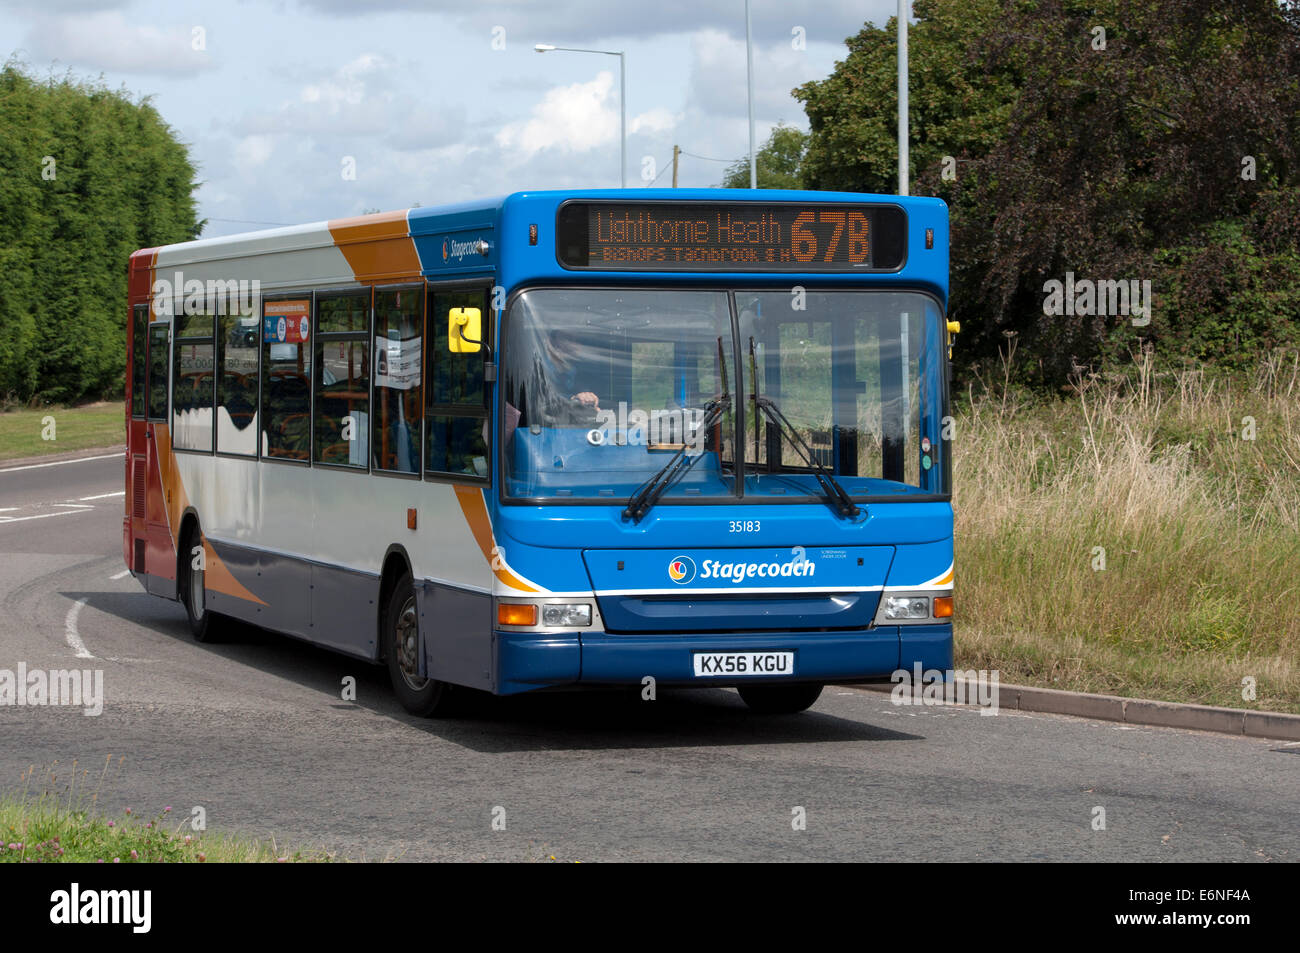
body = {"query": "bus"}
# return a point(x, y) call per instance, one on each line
point(558, 440)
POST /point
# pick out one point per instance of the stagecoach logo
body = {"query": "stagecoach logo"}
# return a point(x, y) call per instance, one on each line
point(452, 249)
point(681, 570)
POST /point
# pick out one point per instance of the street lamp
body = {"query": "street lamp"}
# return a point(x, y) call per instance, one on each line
point(622, 100)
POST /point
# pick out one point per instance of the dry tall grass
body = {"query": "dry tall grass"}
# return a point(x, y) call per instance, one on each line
point(1199, 523)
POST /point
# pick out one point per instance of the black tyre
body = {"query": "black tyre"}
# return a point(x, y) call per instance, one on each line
point(425, 697)
point(190, 582)
point(779, 699)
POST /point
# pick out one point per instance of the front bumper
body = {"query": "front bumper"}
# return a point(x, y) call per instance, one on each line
point(525, 661)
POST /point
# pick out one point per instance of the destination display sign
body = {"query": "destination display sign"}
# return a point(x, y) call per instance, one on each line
point(739, 236)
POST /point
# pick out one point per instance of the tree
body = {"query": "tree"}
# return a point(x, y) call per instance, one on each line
point(777, 162)
point(87, 176)
point(956, 108)
point(1116, 140)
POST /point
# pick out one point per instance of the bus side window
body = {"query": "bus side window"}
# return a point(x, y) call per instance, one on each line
point(398, 408)
point(193, 382)
point(237, 416)
point(157, 408)
point(139, 327)
point(455, 409)
point(341, 413)
point(286, 376)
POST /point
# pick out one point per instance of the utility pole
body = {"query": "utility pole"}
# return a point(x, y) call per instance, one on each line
point(902, 96)
point(677, 150)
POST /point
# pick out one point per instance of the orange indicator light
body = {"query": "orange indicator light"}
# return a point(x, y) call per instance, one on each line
point(510, 613)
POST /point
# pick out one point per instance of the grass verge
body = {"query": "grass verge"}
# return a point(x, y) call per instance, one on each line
point(1140, 537)
point(33, 433)
point(68, 827)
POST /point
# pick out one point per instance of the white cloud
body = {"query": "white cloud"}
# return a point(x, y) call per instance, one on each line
point(719, 84)
point(653, 121)
point(104, 40)
point(347, 85)
point(574, 118)
point(253, 151)
point(527, 21)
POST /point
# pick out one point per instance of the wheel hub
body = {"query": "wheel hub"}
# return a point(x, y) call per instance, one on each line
point(406, 645)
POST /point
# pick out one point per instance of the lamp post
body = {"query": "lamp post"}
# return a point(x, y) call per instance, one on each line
point(749, 81)
point(903, 6)
point(622, 100)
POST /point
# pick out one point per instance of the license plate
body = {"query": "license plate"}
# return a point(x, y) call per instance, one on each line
point(714, 664)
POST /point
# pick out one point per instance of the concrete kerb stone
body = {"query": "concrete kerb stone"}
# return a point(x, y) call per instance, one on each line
point(1140, 711)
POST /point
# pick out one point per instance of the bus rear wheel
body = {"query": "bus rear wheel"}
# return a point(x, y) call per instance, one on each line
point(193, 592)
point(425, 697)
point(779, 699)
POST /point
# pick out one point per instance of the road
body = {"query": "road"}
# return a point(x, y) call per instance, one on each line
point(256, 732)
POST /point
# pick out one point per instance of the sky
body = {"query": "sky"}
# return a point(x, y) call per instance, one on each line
point(303, 110)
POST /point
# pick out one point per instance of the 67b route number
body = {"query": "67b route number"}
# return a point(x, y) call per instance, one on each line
point(744, 526)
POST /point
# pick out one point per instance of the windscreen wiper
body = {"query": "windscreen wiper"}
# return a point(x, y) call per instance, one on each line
point(835, 493)
point(648, 493)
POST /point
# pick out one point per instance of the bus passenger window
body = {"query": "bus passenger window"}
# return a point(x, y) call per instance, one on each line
point(193, 382)
point(286, 390)
point(158, 371)
point(399, 327)
point(341, 431)
point(237, 384)
point(139, 324)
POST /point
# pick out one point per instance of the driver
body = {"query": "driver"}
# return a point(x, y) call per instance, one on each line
point(561, 352)
point(559, 398)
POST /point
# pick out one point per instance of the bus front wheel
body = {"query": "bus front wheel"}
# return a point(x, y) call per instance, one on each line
point(779, 699)
point(425, 697)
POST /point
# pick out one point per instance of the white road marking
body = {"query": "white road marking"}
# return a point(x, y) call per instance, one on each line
point(80, 506)
point(124, 573)
point(70, 631)
point(42, 516)
point(101, 496)
point(59, 463)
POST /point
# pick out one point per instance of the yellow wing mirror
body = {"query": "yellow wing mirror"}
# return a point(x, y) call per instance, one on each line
point(954, 329)
point(464, 330)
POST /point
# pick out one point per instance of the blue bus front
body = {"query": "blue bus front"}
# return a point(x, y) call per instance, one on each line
point(720, 439)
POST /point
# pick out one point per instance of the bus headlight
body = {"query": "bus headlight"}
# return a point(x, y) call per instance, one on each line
point(907, 607)
point(567, 615)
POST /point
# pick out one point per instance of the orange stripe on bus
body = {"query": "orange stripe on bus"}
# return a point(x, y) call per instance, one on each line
point(377, 247)
point(216, 574)
point(476, 515)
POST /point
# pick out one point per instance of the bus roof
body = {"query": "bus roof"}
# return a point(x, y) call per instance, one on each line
point(465, 240)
